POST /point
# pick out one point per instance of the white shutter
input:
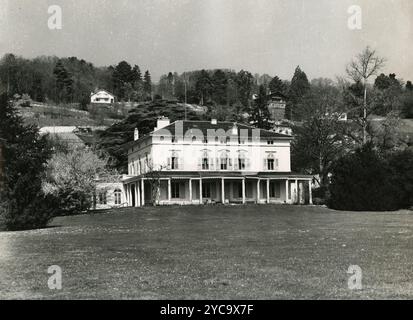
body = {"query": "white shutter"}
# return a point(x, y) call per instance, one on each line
point(265, 165)
point(169, 163)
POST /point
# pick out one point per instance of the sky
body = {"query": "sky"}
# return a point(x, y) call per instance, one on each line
point(261, 36)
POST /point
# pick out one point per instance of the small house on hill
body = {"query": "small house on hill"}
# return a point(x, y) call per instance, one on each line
point(102, 97)
point(276, 106)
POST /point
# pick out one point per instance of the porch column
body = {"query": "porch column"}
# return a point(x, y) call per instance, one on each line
point(200, 190)
point(223, 190)
point(297, 196)
point(268, 190)
point(310, 194)
point(126, 193)
point(136, 195)
point(286, 191)
point(258, 191)
point(129, 196)
point(169, 190)
point(190, 190)
point(143, 191)
point(243, 191)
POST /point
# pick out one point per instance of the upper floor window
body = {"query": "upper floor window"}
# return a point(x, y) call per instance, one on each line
point(118, 196)
point(205, 163)
point(162, 138)
point(241, 163)
point(173, 161)
point(270, 141)
point(271, 163)
point(194, 139)
point(224, 161)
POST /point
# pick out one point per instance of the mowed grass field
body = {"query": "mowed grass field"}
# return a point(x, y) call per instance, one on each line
point(213, 252)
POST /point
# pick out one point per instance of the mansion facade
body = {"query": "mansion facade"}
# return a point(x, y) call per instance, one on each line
point(205, 162)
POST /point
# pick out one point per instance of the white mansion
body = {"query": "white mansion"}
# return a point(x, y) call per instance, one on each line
point(200, 162)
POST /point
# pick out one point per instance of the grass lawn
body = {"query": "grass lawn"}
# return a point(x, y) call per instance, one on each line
point(213, 252)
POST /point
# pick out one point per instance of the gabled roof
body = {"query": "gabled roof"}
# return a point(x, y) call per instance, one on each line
point(277, 94)
point(99, 90)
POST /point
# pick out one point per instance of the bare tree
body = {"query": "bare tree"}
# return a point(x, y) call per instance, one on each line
point(365, 65)
point(154, 177)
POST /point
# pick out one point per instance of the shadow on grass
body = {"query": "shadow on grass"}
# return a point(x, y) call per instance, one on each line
point(3, 229)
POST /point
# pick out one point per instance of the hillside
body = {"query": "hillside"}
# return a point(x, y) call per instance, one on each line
point(43, 115)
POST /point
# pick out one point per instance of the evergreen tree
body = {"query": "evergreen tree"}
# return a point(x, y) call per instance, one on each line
point(122, 78)
point(298, 89)
point(259, 113)
point(64, 83)
point(171, 85)
point(277, 85)
point(147, 85)
point(220, 83)
point(25, 154)
point(203, 86)
point(245, 82)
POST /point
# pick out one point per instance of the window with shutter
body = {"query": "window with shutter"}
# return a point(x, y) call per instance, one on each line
point(205, 163)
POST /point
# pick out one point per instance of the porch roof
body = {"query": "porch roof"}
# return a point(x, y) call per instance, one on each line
point(220, 174)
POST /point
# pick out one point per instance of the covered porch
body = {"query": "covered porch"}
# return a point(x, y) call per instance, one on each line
point(223, 189)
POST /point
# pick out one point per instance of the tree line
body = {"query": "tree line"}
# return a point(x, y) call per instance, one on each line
point(71, 80)
point(225, 92)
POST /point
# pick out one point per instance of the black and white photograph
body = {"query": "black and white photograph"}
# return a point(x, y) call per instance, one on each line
point(206, 150)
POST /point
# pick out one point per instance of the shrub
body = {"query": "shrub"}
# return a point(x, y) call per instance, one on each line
point(37, 214)
point(366, 180)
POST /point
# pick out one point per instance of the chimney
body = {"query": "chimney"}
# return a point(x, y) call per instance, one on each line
point(136, 134)
point(162, 123)
point(213, 121)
